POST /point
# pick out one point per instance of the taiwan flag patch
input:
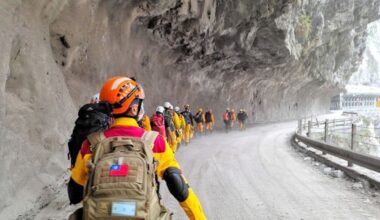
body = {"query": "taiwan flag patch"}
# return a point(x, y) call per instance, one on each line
point(119, 170)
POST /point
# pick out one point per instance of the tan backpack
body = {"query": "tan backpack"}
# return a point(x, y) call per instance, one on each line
point(122, 179)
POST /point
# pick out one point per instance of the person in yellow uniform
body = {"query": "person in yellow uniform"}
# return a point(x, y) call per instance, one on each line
point(210, 120)
point(126, 96)
point(199, 118)
point(242, 117)
point(233, 118)
point(169, 126)
point(178, 123)
point(182, 118)
point(188, 134)
point(145, 123)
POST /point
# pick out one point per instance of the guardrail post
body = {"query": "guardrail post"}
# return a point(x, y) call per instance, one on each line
point(316, 119)
point(304, 123)
point(309, 129)
point(353, 141)
point(326, 133)
point(300, 126)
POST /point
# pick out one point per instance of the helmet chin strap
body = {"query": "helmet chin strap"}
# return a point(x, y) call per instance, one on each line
point(139, 109)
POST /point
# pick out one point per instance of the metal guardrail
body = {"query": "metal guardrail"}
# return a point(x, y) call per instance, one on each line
point(366, 161)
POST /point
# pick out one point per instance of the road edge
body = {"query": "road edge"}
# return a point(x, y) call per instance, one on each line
point(353, 174)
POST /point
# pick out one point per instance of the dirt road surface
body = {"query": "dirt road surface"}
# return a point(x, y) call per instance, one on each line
point(256, 174)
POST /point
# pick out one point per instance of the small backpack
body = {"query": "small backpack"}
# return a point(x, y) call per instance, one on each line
point(122, 179)
point(226, 116)
point(157, 123)
point(198, 117)
point(208, 117)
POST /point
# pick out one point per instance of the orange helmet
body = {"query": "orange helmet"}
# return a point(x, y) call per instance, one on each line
point(120, 91)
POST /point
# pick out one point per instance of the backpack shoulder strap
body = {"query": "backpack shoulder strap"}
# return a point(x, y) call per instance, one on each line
point(148, 139)
point(95, 139)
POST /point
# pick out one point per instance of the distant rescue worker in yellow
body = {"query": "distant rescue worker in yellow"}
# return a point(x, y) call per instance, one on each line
point(180, 125)
point(233, 118)
point(170, 127)
point(199, 118)
point(210, 120)
point(242, 117)
point(189, 123)
point(145, 122)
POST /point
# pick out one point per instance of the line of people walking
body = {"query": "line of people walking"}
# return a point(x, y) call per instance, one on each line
point(178, 126)
point(230, 118)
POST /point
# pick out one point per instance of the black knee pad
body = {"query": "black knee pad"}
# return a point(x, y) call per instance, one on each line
point(176, 184)
point(75, 192)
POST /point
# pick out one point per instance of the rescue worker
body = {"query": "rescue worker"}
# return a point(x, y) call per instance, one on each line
point(177, 125)
point(157, 121)
point(189, 123)
point(200, 120)
point(227, 119)
point(145, 122)
point(126, 96)
point(169, 126)
point(180, 125)
point(210, 120)
point(233, 118)
point(95, 98)
point(242, 117)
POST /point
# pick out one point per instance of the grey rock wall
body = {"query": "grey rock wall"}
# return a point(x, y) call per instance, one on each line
point(35, 106)
point(277, 59)
point(369, 70)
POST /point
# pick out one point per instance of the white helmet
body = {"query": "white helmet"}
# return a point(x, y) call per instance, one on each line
point(167, 104)
point(160, 109)
point(176, 109)
point(95, 98)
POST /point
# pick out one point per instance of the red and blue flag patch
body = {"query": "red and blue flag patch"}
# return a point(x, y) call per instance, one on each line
point(119, 170)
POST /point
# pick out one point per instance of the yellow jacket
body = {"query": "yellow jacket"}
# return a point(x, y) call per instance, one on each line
point(145, 121)
point(183, 121)
point(176, 121)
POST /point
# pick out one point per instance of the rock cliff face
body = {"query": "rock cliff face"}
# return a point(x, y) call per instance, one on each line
point(369, 70)
point(35, 105)
point(277, 59)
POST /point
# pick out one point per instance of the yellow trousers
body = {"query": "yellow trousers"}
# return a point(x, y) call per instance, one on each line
point(200, 127)
point(209, 126)
point(192, 207)
point(180, 136)
point(188, 133)
point(232, 123)
point(172, 140)
point(191, 131)
point(242, 125)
